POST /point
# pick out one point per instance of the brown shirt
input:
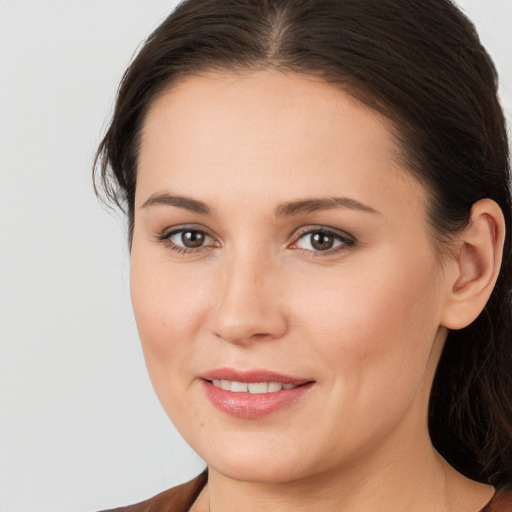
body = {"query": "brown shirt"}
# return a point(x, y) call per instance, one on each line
point(181, 498)
point(177, 499)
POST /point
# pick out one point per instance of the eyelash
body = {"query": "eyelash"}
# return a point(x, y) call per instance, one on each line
point(346, 241)
point(165, 238)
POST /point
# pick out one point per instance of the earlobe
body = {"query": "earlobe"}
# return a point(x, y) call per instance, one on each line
point(476, 265)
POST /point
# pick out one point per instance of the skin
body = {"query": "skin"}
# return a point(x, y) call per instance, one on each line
point(365, 321)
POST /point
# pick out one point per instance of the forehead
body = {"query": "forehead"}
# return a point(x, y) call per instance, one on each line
point(296, 131)
point(257, 106)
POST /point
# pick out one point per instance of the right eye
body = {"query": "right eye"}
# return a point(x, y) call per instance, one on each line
point(188, 240)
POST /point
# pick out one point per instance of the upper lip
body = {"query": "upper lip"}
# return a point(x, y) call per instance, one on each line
point(251, 376)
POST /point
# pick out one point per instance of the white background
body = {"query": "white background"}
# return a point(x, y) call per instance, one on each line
point(80, 427)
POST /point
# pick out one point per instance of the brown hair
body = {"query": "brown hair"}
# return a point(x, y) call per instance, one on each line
point(420, 63)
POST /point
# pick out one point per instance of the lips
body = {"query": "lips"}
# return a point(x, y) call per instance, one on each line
point(253, 394)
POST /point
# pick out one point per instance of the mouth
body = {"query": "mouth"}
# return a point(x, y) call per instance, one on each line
point(254, 388)
point(254, 394)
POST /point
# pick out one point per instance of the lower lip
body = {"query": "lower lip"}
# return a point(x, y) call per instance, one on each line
point(253, 406)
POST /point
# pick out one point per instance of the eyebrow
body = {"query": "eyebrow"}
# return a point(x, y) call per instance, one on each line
point(162, 198)
point(289, 209)
point(315, 204)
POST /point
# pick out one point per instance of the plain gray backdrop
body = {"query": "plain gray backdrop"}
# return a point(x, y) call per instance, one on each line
point(80, 427)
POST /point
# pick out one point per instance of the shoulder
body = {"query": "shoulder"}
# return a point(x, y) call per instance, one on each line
point(501, 502)
point(177, 499)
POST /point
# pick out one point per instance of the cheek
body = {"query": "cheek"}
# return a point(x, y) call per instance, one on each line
point(371, 331)
point(372, 321)
point(168, 304)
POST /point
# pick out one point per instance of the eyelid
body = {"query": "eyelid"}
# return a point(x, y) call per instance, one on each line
point(347, 239)
point(166, 233)
point(165, 238)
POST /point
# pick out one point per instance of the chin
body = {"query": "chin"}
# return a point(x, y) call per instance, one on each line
point(274, 472)
point(263, 458)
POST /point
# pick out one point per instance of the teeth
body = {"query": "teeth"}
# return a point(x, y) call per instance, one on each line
point(225, 384)
point(251, 387)
point(239, 387)
point(258, 387)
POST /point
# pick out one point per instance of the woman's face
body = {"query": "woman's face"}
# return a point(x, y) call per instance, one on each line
point(285, 285)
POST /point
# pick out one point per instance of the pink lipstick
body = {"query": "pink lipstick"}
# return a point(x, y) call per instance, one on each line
point(252, 394)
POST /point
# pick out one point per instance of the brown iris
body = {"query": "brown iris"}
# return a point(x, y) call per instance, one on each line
point(193, 239)
point(322, 241)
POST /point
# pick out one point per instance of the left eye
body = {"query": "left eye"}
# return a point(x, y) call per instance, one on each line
point(322, 240)
point(190, 238)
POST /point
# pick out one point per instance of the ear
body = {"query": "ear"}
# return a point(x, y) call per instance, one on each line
point(474, 265)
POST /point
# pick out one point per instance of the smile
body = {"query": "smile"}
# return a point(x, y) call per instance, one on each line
point(253, 394)
point(251, 387)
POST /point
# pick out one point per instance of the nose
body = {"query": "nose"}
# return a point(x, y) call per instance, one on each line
point(249, 306)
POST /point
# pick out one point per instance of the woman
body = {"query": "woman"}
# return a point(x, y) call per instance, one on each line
point(319, 210)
